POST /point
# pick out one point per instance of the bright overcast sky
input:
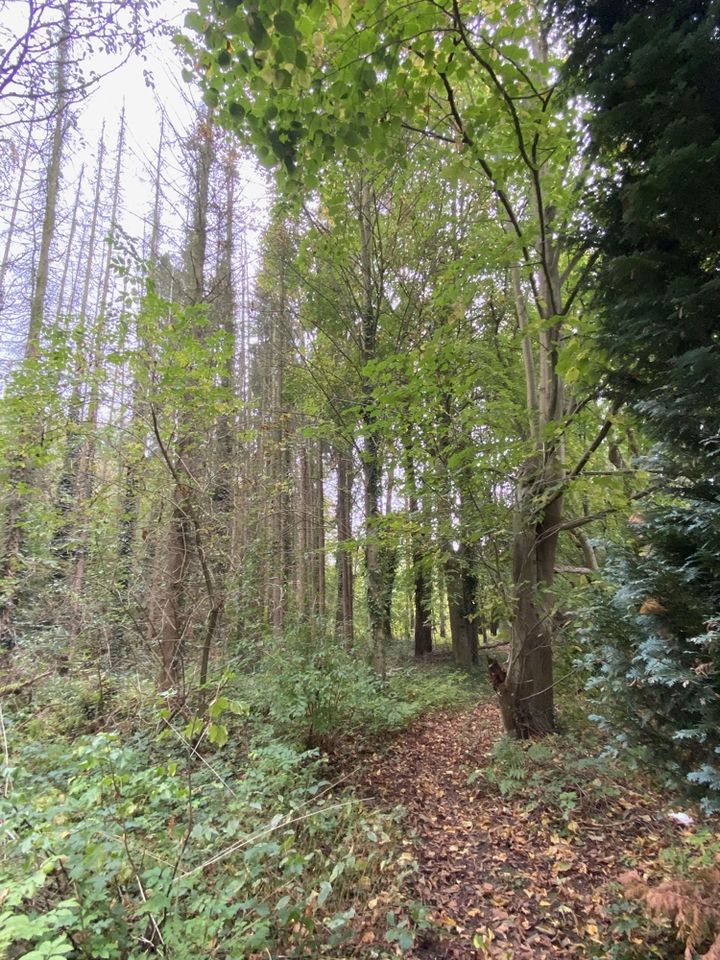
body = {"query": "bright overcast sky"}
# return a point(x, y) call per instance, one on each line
point(127, 86)
point(144, 102)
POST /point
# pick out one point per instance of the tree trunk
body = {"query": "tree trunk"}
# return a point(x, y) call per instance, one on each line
point(374, 573)
point(343, 562)
point(10, 233)
point(317, 531)
point(131, 468)
point(21, 473)
point(175, 622)
point(422, 616)
point(52, 192)
point(422, 581)
point(379, 570)
point(388, 570)
point(173, 626)
point(63, 306)
point(69, 499)
point(462, 606)
point(526, 697)
point(86, 463)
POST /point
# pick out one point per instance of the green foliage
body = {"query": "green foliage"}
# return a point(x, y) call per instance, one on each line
point(634, 936)
point(562, 776)
point(217, 830)
point(112, 844)
point(314, 691)
point(430, 689)
point(653, 646)
point(695, 851)
point(655, 129)
point(32, 430)
point(651, 72)
point(308, 84)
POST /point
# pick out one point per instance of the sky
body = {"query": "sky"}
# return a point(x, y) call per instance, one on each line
point(126, 86)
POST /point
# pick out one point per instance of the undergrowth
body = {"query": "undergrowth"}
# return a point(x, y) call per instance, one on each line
point(314, 692)
point(129, 827)
point(564, 776)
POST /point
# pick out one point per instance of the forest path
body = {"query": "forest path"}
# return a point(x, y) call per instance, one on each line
point(505, 883)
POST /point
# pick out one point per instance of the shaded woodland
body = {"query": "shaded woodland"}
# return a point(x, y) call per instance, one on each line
point(373, 408)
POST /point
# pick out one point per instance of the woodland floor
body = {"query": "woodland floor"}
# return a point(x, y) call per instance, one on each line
point(517, 884)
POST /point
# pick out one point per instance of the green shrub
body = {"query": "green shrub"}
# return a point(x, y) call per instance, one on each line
point(313, 690)
point(653, 646)
point(558, 774)
point(111, 845)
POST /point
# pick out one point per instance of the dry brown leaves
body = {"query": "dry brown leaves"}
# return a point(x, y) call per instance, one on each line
point(692, 905)
point(500, 882)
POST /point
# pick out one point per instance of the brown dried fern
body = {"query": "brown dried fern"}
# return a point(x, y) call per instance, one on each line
point(692, 905)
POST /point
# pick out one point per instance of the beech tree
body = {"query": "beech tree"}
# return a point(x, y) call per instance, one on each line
point(306, 85)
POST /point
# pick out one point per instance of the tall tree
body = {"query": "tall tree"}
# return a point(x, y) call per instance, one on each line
point(185, 532)
point(652, 75)
point(21, 470)
point(20, 186)
point(447, 73)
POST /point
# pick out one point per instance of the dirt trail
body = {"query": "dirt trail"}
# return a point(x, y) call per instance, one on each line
point(517, 885)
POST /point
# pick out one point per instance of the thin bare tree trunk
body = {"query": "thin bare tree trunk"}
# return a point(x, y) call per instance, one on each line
point(344, 623)
point(317, 532)
point(278, 450)
point(87, 453)
point(422, 583)
point(61, 306)
point(139, 418)
point(70, 495)
point(460, 579)
point(375, 560)
point(10, 236)
point(21, 474)
point(52, 192)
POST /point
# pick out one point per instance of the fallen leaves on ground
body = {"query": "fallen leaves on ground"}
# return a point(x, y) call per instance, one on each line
point(502, 882)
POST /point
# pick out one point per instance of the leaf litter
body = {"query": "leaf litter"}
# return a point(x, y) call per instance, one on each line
point(501, 878)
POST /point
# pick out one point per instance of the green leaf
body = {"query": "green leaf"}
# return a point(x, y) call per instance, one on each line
point(193, 21)
point(218, 734)
point(281, 79)
point(258, 34)
point(285, 23)
point(287, 49)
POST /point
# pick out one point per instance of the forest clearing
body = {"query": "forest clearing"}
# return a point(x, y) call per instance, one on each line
point(359, 489)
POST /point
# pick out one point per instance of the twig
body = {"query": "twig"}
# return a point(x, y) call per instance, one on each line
point(239, 844)
point(6, 756)
point(193, 751)
point(12, 688)
point(554, 684)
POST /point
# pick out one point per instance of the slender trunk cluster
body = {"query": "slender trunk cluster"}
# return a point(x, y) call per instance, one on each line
point(22, 470)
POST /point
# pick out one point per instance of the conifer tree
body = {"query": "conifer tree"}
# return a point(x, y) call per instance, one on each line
point(655, 136)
